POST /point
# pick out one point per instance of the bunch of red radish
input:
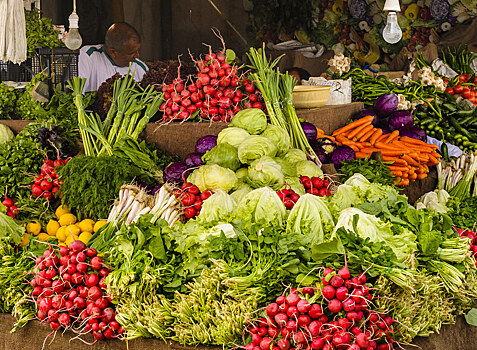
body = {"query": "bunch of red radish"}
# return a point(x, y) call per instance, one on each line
point(12, 209)
point(288, 197)
point(336, 317)
point(192, 199)
point(472, 235)
point(46, 183)
point(68, 289)
point(316, 186)
point(217, 93)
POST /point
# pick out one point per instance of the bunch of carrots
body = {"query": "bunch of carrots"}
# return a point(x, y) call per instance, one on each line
point(411, 158)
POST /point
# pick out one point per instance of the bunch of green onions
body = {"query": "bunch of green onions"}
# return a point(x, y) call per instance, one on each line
point(276, 89)
point(130, 111)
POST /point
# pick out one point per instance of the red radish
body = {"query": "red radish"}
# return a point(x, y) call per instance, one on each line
point(96, 263)
point(328, 292)
point(108, 333)
point(79, 303)
point(92, 280)
point(292, 312)
point(317, 343)
point(292, 299)
point(300, 338)
point(315, 311)
point(353, 347)
point(77, 246)
point(344, 273)
point(272, 309)
point(283, 307)
point(283, 344)
point(54, 325)
point(335, 305)
point(94, 293)
point(315, 328)
point(266, 343)
point(108, 315)
point(80, 257)
point(102, 303)
point(77, 278)
point(352, 315)
point(97, 335)
point(362, 340)
point(357, 295)
point(91, 252)
point(57, 286)
point(303, 306)
point(292, 325)
point(53, 315)
point(273, 332)
point(256, 339)
point(64, 319)
point(341, 338)
point(303, 320)
point(344, 323)
point(64, 260)
point(328, 347)
point(286, 333)
point(262, 331)
point(336, 281)
point(308, 291)
point(341, 293)
point(388, 320)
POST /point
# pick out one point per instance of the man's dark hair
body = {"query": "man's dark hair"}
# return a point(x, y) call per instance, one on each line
point(119, 34)
point(304, 75)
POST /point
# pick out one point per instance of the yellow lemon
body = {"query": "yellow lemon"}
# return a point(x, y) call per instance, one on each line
point(72, 229)
point(86, 225)
point(52, 227)
point(61, 233)
point(42, 236)
point(99, 224)
point(70, 239)
point(61, 244)
point(26, 239)
point(62, 209)
point(67, 219)
point(85, 237)
point(33, 227)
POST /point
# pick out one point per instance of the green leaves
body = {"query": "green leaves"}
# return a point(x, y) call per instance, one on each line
point(375, 171)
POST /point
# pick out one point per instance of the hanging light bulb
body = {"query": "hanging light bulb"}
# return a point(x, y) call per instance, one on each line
point(73, 39)
point(392, 33)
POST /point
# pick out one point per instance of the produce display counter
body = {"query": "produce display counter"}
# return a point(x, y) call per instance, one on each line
point(460, 336)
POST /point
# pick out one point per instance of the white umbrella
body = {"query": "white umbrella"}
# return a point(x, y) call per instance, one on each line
point(13, 45)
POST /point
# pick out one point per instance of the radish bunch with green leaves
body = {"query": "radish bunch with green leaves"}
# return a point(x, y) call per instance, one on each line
point(68, 288)
point(337, 315)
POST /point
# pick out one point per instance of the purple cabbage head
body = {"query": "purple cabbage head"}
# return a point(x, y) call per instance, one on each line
point(385, 104)
point(173, 172)
point(194, 160)
point(205, 144)
point(439, 9)
point(309, 130)
point(400, 119)
point(341, 154)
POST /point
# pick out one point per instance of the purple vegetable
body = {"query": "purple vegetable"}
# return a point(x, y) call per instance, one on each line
point(194, 160)
point(205, 144)
point(157, 188)
point(341, 154)
point(310, 131)
point(364, 113)
point(173, 172)
point(327, 145)
point(385, 104)
point(415, 132)
point(439, 9)
point(357, 8)
point(400, 119)
point(322, 156)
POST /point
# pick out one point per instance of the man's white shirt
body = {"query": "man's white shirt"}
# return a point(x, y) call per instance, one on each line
point(96, 66)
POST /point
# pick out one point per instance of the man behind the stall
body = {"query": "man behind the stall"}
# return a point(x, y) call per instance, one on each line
point(121, 46)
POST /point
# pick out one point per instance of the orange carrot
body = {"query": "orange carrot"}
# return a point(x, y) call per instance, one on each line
point(412, 176)
point(319, 132)
point(398, 168)
point(417, 142)
point(363, 144)
point(421, 176)
point(423, 157)
point(355, 124)
point(391, 146)
point(367, 130)
point(397, 173)
point(419, 148)
point(376, 136)
point(409, 160)
point(361, 155)
point(392, 136)
point(370, 150)
point(395, 160)
point(432, 160)
point(367, 135)
point(341, 138)
point(412, 170)
point(403, 182)
point(382, 137)
point(358, 130)
point(436, 155)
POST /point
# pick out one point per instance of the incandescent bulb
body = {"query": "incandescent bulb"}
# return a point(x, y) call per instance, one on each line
point(73, 39)
point(392, 33)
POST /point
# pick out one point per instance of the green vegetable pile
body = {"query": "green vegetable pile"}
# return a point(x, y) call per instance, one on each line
point(375, 171)
point(7, 101)
point(463, 212)
point(20, 159)
point(39, 32)
point(90, 183)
